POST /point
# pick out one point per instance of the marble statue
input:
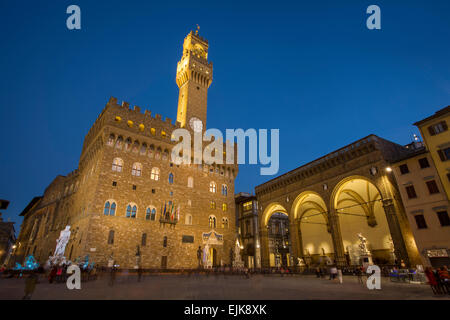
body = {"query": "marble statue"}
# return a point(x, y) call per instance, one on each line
point(62, 241)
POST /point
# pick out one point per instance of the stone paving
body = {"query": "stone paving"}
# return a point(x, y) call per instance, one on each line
point(214, 287)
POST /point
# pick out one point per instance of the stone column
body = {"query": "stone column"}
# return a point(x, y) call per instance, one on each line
point(396, 233)
point(301, 251)
point(333, 220)
point(265, 260)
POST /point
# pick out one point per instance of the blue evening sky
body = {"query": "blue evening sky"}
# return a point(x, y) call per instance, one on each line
point(310, 68)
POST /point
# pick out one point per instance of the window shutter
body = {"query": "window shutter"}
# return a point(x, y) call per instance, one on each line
point(444, 125)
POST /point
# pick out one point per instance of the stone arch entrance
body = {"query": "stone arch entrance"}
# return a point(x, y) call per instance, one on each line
point(275, 241)
point(358, 204)
point(315, 242)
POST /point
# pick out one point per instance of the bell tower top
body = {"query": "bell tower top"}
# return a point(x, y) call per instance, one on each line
point(194, 76)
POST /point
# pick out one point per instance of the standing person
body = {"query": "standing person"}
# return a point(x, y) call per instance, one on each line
point(339, 275)
point(139, 274)
point(112, 277)
point(30, 285)
point(359, 274)
point(333, 272)
point(318, 272)
point(52, 274)
point(444, 279)
point(59, 274)
point(432, 281)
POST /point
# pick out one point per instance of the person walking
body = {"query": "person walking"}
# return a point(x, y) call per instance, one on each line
point(30, 285)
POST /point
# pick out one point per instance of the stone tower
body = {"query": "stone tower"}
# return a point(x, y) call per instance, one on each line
point(194, 76)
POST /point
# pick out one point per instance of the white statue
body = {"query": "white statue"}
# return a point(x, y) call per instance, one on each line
point(363, 245)
point(237, 252)
point(237, 260)
point(62, 241)
point(206, 255)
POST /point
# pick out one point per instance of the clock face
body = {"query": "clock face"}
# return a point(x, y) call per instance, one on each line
point(196, 124)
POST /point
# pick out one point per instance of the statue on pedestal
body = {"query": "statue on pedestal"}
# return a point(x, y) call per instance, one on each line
point(237, 260)
point(206, 257)
point(364, 253)
point(61, 243)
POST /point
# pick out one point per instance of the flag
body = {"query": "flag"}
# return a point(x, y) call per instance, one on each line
point(171, 213)
point(178, 213)
point(164, 210)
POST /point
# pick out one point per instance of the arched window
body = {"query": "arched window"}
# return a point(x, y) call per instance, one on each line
point(224, 190)
point(110, 208)
point(117, 165)
point(165, 155)
point(111, 140)
point(212, 187)
point(131, 211)
point(119, 142)
point(144, 240)
point(128, 144)
point(190, 182)
point(212, 221)
point(171, 178)
point(213, 204)
point(150, 214)
point(188, 219)
point(107, 208)
point(224, 207)
point(225, 223)
point(137, 169)
point(151, 151)
point(155, 174)
point(136, 147)
point(143, 149)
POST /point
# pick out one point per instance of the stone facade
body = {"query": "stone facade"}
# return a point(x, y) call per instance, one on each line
point(126, 161)
point(331, 199)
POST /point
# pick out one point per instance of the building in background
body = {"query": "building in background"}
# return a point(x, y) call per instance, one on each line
point(128, 201)
point(436, 136)
point(426, 204)
point(7, 236)
point(248, 229)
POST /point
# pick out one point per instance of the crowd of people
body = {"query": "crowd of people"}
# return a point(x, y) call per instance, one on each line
point(438, 279)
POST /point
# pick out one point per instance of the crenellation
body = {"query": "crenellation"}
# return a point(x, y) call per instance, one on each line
point(126, 161)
